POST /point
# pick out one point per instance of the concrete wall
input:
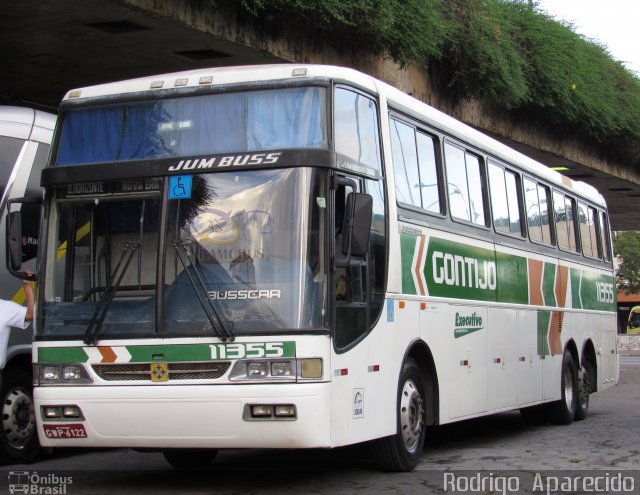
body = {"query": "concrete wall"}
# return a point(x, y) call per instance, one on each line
point(629, 345)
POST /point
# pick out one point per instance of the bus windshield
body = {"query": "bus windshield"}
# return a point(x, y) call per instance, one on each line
point(194, 125)
point(234, 258)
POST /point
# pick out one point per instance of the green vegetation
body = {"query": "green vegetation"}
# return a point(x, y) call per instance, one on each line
point(627, 246)
point(503, 52)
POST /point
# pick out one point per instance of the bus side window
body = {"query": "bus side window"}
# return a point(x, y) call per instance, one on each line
point(429, 180)
point(564, 213)
point(537, 200)
point(359, 283)
point(405, 163)
point(588, 234)
point(356, 132)
point(415, 167)
point(605, 237)
point(377, 249)
point(9, 149)
point(464, 181)
point(504, 200)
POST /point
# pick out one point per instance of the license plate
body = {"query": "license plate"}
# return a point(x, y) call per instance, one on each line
point(65, 431)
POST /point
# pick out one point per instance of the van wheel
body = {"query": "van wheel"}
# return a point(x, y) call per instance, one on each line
point(582, 405)
point(19, 436)
point(402, 451)
point(190, 458)
point(563, 411)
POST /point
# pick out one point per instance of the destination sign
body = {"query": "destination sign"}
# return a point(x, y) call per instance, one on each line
point(110, 188)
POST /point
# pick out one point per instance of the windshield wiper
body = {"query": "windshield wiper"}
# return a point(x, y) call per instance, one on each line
point(93, 330)
point(218, 327)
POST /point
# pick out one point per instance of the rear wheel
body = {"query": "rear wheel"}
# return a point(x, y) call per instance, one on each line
point(582, 405)
point(190, 458)
point(19, 437)
point(402, 451)
point(563, 411)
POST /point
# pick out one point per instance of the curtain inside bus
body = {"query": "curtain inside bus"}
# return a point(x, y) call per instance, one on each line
point(193, 126)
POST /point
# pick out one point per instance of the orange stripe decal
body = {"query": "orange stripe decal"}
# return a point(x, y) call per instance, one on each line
point(417, 266)
point(562, 280)
point(535, 283)
point(555, 328)
point(108, 356)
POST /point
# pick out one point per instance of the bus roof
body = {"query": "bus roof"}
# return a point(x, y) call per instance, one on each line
point(221, 76)
point(26, 123)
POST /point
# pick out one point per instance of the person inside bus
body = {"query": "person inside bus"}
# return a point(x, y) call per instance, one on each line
point(14, 315)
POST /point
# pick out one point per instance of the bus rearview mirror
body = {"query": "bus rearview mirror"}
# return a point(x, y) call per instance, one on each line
point(357, 224)
point(14, 241)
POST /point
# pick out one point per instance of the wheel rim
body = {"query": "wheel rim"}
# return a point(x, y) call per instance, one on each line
point(583, 390)
point(568, 388)
point(18, 418)
point(411, 415)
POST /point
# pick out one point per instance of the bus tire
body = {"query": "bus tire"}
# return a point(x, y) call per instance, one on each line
point(190, 458)
point(402, 451)
point(563, 411)
point(19, 436)
point(582, 404)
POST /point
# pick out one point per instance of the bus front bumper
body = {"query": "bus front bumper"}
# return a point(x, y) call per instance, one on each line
point(187, 416)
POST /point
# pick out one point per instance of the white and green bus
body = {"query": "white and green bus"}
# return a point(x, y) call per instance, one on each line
point(296, 256)
point(25, 137)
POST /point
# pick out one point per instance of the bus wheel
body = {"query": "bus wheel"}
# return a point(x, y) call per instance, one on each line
point(402, 451)
point(190, 458)
point(19, 437)
point(582, 404)
point(563, 411)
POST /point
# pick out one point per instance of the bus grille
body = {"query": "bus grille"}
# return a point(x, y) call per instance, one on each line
point(177, 371)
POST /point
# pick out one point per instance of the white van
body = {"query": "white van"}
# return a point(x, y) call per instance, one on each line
point(25, 137)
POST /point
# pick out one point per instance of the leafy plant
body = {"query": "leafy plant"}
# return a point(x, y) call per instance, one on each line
point(504, 52)
point(627, 248)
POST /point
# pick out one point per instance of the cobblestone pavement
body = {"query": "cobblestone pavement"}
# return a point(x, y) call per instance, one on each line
point(492, 448)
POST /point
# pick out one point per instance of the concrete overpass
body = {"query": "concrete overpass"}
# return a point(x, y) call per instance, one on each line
point(51, 46)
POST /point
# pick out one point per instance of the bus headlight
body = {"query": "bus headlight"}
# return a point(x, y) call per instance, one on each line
point(264, 369)
point(257, 369)
point(281, 370)
point(61, 374)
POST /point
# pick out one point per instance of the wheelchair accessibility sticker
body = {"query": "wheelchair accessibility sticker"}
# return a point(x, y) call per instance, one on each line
point(180, 187)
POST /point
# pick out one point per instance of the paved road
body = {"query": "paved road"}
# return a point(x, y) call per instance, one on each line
point(495, 448)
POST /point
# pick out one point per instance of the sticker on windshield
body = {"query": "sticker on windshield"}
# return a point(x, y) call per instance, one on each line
point(180, 187)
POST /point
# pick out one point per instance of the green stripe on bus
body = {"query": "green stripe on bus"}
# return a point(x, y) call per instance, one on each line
point(597, 291)
point(208, 352)
point(176, 352)
point(549, 284)
point(461, 271)
point(544, 319)
point(461, 332)
point(169, 353)
point(575, 288)
point(513, 285)
point(407, 248)
point(62, 355)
